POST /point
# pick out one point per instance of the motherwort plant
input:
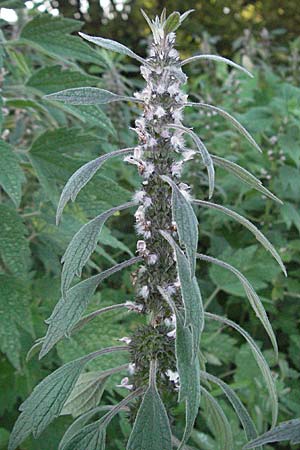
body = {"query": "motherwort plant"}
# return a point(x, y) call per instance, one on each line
point(165, 364)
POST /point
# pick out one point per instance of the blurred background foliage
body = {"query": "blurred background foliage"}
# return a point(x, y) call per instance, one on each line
point(43, 143)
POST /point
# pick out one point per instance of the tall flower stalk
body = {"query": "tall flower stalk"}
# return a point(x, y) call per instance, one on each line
point(164, 355)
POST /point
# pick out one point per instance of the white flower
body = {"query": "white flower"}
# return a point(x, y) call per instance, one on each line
point(165, 133)
point(177, 115)
point(152, 142)
point(139, 196)
point(172, 334)
point(160, 112)
point(141, 247)
point(173, 89)
point(188, 154)
point(173, 376)
point(133, 306)
point(152, 258)
point(176, 168)
point(161, 88)
point(138, 153)
point(139, 214)
point(149, 169)
point(125, 339)
point(173, 53)
point(131, 368)
point(124, 384)
point(146, 73)
point(177, 141)
point(147, 202)
point(144, 292)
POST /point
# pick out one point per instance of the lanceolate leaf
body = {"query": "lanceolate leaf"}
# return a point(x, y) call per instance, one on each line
point(69, 309)
point(252, 296)
point(261, 362)
point(114, 46)
point(284, 431)
point(48, 397)
point(229, 117)
point(92, 437)
point(193, 307)
point(218, 59)
point(82, 246)
point(244, 175)
point(188, 369)
point(186, 222)
point(151, 429)
point(222, 428)
point(82, 176)
point(242, 413)
point(87, 96)
point(172, 22)
point(206, 158)
point(11, 174)
point(246, 223)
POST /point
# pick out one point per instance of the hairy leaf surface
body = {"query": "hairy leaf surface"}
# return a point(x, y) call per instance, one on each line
point(289, 430)
point(86, 96)
point(217, 59)
point(11, 174)
point(186, 221)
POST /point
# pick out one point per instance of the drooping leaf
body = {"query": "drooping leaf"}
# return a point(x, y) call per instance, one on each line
point(48, 397)
point(69, 309)
point(151, 429)
point(206, 158)
point(14, 248)
point(218, 59)
point(254, 299)
point(81, 177)
point(114, 46)
point(244, 175)
point(15, 313)
point(188, 369)
point(191, 296)
point(82, 246)
point(285, 431)
point(87, 96)
point(52, 35)
point(246, 223)
point(241, 411)
point(172, 22)
point(11, 174)
point(261, 362)
point(215, 415)
point(186, 222)
point(229, 117)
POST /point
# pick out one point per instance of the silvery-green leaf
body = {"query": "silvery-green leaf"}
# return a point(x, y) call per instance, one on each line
point(151, 429)
point(191, 296)
point(253, 298)
point(242, 413)
point(246, 223)
point(289, 430)
point(188, 369)
point(82, 246)
point(184, 15)
point(69, 309)
point(218, 59)
point(85, 319)
point(186, 221)
point(79, 423)
point(86, 394)
point(82, 176)
point(261, 362)
point(206, 158)
point(114, 46)
point(245, 176)
point(219, 421)
point(92, 437)
point(229, 117)
point(87, 96)
point(48, 397)
point(172, 22)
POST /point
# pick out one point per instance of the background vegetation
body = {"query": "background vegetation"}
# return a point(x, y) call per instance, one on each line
point(43, 143)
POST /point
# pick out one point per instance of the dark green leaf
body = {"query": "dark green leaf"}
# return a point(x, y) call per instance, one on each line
point(151, 429)
point(11, 174)
point(172, 22)
point(14, 248)
point(284, 431)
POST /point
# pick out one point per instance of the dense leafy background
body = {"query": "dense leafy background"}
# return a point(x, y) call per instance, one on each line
point(44, 142)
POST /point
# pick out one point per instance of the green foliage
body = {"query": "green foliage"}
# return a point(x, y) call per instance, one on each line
point(48, 141)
